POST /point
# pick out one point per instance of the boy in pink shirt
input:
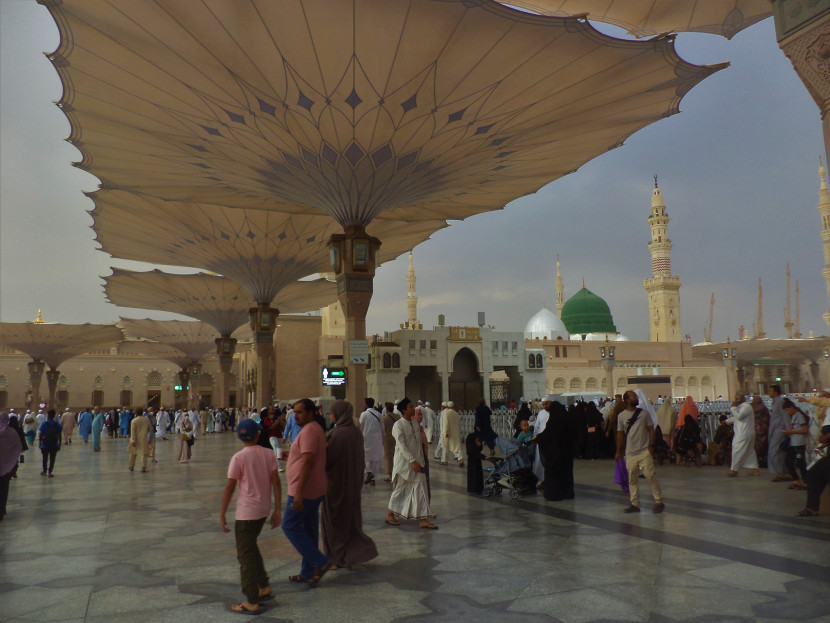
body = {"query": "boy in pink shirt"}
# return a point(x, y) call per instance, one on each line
point(254, 468)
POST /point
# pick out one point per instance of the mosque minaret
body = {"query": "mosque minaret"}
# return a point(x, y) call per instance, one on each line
point(411, 299)
point(663, 288)
point(560, 289)
point(824, 210)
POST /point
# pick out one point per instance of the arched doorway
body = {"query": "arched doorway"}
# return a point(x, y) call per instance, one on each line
point(466, 386)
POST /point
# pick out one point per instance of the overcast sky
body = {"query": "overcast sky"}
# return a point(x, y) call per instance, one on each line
point(737, 168)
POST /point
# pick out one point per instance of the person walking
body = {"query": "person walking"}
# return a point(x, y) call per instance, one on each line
point(484, 425)
point(85, 424)
point(409, 495)
point(140, 430)
point(389, 418)
point(307, 484)
point(372, 429)
point(635, 432)
point(743, 438)
point(10, 449)
point(450, 435)
point(778, 421)
point(344, 541)
point(254, 470)
point(96, 428)
point(68, 425)
point(49, 435)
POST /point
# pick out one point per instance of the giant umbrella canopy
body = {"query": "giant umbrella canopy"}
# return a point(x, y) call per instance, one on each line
point(642, 18)
point(360, 109)
point(264, 251)
point(51, 343)
point(219, 301)
point(185, 340)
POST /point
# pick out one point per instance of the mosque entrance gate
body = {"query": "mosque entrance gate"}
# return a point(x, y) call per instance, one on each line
point(154, 400)
point(466, 385)
point(423, 383)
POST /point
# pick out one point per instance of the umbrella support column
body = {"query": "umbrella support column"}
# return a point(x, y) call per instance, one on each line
point(263, 324)
point(35, 376)
point(354, 259)
point(52, 377)
point(225, 348)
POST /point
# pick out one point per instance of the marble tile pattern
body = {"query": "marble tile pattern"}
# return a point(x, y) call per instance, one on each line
point(99, 543)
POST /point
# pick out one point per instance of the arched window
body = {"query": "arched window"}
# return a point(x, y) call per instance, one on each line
point(531, 361)
point(564, 351)
point(556, 351)
point(622, 383)
point(559, 385)
point(591, 383)
point(540, 362)
point(387, 360)
point(575, 385)
point(692, 381)
point(396, 360)
point(154, 380)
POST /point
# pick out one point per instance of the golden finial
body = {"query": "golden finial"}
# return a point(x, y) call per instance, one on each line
point(39, 319)
point(583, 283)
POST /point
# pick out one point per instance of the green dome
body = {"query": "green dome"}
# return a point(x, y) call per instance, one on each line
point(585, 312)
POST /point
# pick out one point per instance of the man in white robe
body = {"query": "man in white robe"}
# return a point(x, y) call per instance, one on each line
point(409, 495)
point(372, 429)
point(439, 448)
point(451, 434)
point(538, 426)
point(429, 422)
point(162, 422)
point(743, 442)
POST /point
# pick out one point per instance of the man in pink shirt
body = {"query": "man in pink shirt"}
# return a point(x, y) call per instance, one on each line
point(254, 468)
point(307, 484)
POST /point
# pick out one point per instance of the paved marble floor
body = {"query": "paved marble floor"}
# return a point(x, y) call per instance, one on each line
point(98, 543)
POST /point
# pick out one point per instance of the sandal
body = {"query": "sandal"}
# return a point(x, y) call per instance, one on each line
point(319, 573)
point(242, 609)
point(807, 512)
point(296, 578)
point(429, 526)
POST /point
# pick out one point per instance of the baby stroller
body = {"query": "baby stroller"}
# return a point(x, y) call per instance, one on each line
point(509, 472)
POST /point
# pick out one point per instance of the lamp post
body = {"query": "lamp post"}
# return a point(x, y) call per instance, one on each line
point(263, 320)
point(730, 362)
point(607, 353)
point(354, 260)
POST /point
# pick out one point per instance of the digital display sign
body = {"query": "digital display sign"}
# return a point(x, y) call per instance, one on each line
point(334, 376)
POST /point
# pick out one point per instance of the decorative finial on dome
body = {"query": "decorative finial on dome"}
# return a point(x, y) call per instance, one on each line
point(39, 319)
point(655, 181)
point(583, 283)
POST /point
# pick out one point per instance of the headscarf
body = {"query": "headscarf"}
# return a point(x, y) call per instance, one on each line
point(688, 408)
point(665, 413)
point(343, 414)
point(10, 447)
point(645, 405)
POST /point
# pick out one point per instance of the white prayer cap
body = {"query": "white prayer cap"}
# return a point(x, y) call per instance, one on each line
point(450, 404)
point(549, 398)
point(67, 409)
point(397, 400)
point(426, 404)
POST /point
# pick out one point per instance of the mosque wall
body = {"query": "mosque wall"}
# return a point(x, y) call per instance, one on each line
point(110, 380)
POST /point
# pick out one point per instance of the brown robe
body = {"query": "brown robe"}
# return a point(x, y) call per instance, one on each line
point(389, 420)
point(342, 520)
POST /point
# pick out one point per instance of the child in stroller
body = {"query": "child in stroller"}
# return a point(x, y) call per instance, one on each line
point(512, 472)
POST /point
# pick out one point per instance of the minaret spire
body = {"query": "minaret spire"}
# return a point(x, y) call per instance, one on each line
point(759, 324)
point(824, 210)
point(788, 323)
point(560, 289)
point(797, 334)
point(411, 298)
point(663, 288)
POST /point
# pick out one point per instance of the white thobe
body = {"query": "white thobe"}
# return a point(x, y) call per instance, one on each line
point(409, 496)
point(439, 448)
point(162, 422)
point(451, 435)
point(372, 429)
point(429, 423)
point(539, 426)
point(743, 442)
